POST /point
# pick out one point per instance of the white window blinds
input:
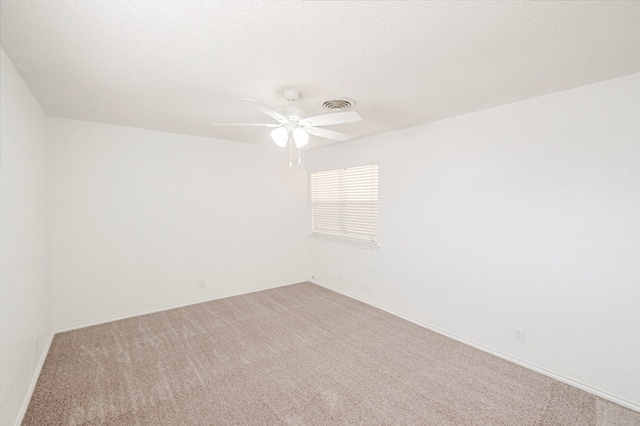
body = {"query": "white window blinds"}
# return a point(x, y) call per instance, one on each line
point(344, 205)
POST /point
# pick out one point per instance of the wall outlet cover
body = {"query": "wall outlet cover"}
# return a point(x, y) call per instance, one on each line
point(518, 335)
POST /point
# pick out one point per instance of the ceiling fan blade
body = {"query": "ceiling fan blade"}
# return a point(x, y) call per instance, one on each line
point(245, 124)
point(332, 118)
point(270, 112)
point(327, 134)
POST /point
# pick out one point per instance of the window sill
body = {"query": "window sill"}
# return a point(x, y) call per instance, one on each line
point(375, 246)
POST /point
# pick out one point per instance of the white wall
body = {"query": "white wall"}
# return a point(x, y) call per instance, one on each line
point(25, 297)
point(525, 215)
point(139, 218)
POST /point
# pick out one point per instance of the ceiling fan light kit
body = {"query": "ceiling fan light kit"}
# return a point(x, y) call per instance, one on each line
point(300, 137)
point(280, 136)
point(294, 128)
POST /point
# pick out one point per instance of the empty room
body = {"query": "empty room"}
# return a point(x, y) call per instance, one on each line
point(319, 212)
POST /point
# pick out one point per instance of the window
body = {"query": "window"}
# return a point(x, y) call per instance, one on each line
point(344, 205)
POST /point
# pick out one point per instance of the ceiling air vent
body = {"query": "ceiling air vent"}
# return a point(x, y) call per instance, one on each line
point(337, 105)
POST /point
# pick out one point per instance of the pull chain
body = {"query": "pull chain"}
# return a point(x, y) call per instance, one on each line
point(298, 155)
point(290, 152)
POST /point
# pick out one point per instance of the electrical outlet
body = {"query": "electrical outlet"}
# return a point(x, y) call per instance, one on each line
point(341, 277)
point(518, 335)
point(368, 288)
point(202, 285)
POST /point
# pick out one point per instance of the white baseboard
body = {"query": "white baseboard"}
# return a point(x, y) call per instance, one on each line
point(34, 379)
point(533, 367)
point(160, 309)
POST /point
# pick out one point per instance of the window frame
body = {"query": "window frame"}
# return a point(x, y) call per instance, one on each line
point(346, 209)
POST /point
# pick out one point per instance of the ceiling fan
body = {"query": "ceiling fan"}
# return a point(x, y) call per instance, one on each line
point(293, 127)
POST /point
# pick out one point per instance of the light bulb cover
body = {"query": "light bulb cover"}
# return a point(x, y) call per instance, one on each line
point(280, 136)
point(300, 137)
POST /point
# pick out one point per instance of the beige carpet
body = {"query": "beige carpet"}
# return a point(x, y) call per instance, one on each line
point(294, 355)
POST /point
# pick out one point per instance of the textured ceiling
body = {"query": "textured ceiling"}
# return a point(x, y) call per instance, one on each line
point(178, 66)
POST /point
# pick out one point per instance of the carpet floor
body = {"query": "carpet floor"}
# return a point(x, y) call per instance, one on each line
point(295, 355)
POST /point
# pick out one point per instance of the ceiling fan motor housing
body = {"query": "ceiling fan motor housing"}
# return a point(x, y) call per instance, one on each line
point(291, 112)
